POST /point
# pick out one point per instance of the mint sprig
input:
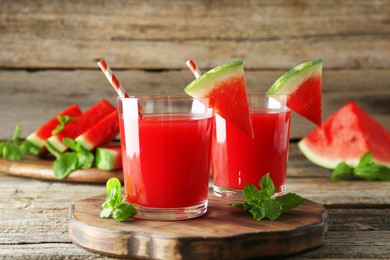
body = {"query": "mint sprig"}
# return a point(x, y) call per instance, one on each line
point(12, 149)
point(367, 169)
point(68, 162)
point(115, 206)
point(62, 120)
point(261, 204)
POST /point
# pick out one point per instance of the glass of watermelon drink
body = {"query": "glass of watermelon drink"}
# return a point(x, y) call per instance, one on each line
point(239, 159)
point(166, 151)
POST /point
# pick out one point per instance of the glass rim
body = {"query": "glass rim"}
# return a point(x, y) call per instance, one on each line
point(157, 97)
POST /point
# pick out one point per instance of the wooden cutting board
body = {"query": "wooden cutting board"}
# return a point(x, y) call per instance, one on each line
point(223, 232)
point(32, 167)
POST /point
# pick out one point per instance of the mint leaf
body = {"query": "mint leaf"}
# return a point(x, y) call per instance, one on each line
point(105, 213)
point(65, 164)
point(251, 194)
point(267, 186)
point(272, 209)
point(261, 204)
point(342, 171)
point(114, 206)
point(30, 148)
point(257, 212)
point(123, 212)
point(289, 201)
point(372, 172)
point(243, 206)
point(12, 149)
point(16, 133)
point(80, 158)
point(367, 169)
point(62, 120)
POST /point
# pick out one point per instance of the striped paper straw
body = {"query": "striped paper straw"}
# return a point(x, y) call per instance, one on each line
point(194, 69)
point(112, 79)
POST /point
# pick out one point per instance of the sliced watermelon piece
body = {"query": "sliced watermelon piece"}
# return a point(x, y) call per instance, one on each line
point(103, 132)
point(78, 126)
point(38, 138)
point(303, 83)
point(109, 157)
point(346, 136)
point(226, 89)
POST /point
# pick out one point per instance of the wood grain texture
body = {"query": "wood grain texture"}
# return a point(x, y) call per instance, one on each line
point(31, 167)
point(34, 222)
point(31, 98)
point(161, 34)
point(222, 233)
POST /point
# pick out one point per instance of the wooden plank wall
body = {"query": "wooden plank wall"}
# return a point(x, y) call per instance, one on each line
point(49, 50)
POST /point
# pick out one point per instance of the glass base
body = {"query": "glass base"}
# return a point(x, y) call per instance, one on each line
point(233, 194)
point(171, 213)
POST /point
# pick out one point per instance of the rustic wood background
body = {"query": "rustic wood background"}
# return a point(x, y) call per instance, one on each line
point(48, 55)
point(49, 50)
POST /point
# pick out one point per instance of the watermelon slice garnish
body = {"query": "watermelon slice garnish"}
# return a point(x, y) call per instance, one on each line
point(344, 137)
point(109, 157)
point(226, 89)
point(102, 132)
point(82, 123)
point(38, 138)
point(303, 83)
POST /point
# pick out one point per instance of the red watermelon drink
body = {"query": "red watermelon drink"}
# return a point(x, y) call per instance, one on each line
point(238, 159)
point(166, 155)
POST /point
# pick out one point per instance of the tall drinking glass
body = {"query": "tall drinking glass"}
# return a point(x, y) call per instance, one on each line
point(239, 159)
point(166, 145)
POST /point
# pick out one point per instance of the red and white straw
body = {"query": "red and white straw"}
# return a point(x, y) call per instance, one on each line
point(194, 69)
point(112, 79)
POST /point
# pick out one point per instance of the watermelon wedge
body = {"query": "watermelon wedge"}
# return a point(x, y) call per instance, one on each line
point(103, 132)
point(226, 89)
point(82, 123)
point(346, 136)
point(38, 138)
point(109, 157)
point(303, 83)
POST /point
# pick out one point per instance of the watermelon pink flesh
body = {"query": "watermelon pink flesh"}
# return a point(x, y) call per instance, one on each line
point(74, 128)
point(346, 136)
point(306, 100)
point(102, 132)
point(109, 157)
point(40, 136)
point(229, 100)
point(226, 89)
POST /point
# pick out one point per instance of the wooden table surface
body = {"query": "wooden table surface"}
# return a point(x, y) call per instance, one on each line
point(48, 55)
point(34, 215)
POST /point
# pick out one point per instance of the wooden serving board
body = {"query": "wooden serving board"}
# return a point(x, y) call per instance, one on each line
point(32, 167)
point(223, 232)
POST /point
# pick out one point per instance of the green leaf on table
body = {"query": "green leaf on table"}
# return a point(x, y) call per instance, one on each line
point(367, 169)
point(261, 204)
point(289, 201)
point(62, 120)
point(12, 149)
point(65, 164)
point(342, 171)
point(78, 158)
point(258, 213)
point(267, 186)
point(272, 208)
point(115, 206)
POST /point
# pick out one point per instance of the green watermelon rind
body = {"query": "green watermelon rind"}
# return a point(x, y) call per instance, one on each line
point(322, 160)
point(201, 86)
point(85, 143)
point(105, 159)
point(292, 79)
point(55, 146)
